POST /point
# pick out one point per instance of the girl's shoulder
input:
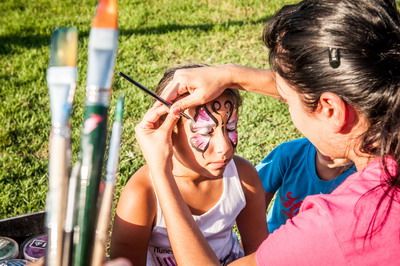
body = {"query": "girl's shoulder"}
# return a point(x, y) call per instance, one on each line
point(140, 180)
point(246, 170)
point(138, 191)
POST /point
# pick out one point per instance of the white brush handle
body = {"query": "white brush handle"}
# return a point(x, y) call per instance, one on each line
point(57, 195)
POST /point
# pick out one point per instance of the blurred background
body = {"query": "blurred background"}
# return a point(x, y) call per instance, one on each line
point(154, 35)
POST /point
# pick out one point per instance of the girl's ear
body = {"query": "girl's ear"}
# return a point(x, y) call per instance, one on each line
point(340, 115)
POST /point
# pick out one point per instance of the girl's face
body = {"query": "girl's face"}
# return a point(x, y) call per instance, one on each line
point(207, 145)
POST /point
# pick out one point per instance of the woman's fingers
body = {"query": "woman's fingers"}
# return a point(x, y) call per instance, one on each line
point(170, 122)
point(153, 116)
point(173, 89)
point(194, 99)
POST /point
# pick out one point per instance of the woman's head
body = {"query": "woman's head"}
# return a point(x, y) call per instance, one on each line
point(347, 48)
point(204, 146)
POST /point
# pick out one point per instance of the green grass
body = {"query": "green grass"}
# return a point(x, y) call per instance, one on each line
point(154, 35)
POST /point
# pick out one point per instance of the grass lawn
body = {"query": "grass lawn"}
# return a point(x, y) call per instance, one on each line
point(154, 35)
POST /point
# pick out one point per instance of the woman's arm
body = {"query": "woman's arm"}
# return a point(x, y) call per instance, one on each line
point(188, 243)
point(207, 83)
point(253, 231)
point(134, 218)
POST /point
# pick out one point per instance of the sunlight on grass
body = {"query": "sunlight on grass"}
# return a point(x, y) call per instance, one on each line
point(154, 35)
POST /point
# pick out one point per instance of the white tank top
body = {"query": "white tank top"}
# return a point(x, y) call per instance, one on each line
point(215, 224)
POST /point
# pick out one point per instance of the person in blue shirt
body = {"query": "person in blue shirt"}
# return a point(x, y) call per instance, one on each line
point(294, 170)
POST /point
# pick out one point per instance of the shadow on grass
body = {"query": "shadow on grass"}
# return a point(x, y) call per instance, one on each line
point(10, 43)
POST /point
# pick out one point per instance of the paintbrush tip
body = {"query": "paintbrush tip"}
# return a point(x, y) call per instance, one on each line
point(106, 14)
point(64, 47)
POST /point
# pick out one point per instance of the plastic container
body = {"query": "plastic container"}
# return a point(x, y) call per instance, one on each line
point(8, 248)
point(13, 262)
point(35, 248)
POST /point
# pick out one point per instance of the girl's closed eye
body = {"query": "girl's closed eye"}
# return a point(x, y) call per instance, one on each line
point(204, 131)
point(231, 125)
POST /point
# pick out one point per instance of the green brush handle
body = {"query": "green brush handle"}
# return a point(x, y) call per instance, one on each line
point(92, 151)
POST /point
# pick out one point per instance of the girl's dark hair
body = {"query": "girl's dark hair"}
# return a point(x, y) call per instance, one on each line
point(365, 39)
point(169, 74)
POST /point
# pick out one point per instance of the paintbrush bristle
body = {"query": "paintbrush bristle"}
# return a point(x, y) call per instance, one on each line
point(64, 47)
point(106, 15)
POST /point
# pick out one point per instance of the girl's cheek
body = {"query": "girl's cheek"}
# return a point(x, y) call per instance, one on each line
point(200, 142)
point(233, 136)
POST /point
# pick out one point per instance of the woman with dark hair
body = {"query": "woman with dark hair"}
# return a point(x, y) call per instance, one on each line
point(336, 63)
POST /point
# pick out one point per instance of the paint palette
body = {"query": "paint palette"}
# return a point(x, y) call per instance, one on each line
point(35, 248)
point(8, 248)
point(13, 262)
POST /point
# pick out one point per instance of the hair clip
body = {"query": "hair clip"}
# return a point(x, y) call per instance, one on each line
point(334, 57)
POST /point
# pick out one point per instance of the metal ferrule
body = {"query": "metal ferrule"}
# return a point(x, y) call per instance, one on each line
point(96, 95)
point(62, 131)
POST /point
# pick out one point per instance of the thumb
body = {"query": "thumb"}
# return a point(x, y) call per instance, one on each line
point(170, 121)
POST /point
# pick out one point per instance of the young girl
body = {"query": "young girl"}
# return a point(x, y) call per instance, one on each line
point(337, 68)
point(219, 188)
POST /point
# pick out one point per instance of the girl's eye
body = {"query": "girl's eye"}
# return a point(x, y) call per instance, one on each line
point(231, 126)
point(204, 131)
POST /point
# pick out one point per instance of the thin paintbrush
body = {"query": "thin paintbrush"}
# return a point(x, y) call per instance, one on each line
point(69, 217)
point(102, 50)
point(61, 80)
point(108, 184)
point(143, 88)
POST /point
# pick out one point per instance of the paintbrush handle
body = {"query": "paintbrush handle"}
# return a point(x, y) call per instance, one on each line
point(151, 93)
point(103, 225)
point(140, 86)
point(102, 50)
point(93, 142)
point(56, 199)
point(69, 217)
point(103, 219)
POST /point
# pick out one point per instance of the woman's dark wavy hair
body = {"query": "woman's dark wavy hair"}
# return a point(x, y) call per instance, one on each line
point(366, 34)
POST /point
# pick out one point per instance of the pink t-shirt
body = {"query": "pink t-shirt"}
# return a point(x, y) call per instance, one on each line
point(330, 229)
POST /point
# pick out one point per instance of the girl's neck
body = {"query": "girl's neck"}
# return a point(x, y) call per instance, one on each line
point(182, 172)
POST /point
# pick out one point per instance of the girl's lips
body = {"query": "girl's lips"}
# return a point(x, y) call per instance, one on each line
point(217, 164)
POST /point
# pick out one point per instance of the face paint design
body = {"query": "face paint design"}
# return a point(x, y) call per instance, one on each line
point(205, 123)
point(202, 127)
point(231, 127)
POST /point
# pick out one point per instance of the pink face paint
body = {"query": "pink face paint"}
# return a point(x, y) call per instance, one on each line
point(231, 127)
point(200, 142)
point(204, 124)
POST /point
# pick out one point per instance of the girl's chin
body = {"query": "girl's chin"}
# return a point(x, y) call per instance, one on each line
point(215, 173)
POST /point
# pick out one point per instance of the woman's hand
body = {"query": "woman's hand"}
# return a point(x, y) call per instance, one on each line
point(154, 135)
point(203, 83)
point(206, 83)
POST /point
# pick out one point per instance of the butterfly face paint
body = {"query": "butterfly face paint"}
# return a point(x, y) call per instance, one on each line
point(205, 124)
point(231, 127)
point(202, 127)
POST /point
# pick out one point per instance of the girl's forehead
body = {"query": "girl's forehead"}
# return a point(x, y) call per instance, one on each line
point(216, 111)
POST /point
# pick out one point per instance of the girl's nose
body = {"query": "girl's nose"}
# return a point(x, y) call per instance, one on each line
point(223, 145)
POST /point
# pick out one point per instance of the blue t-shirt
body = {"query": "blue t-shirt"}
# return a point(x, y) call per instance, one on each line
point(290, 171)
